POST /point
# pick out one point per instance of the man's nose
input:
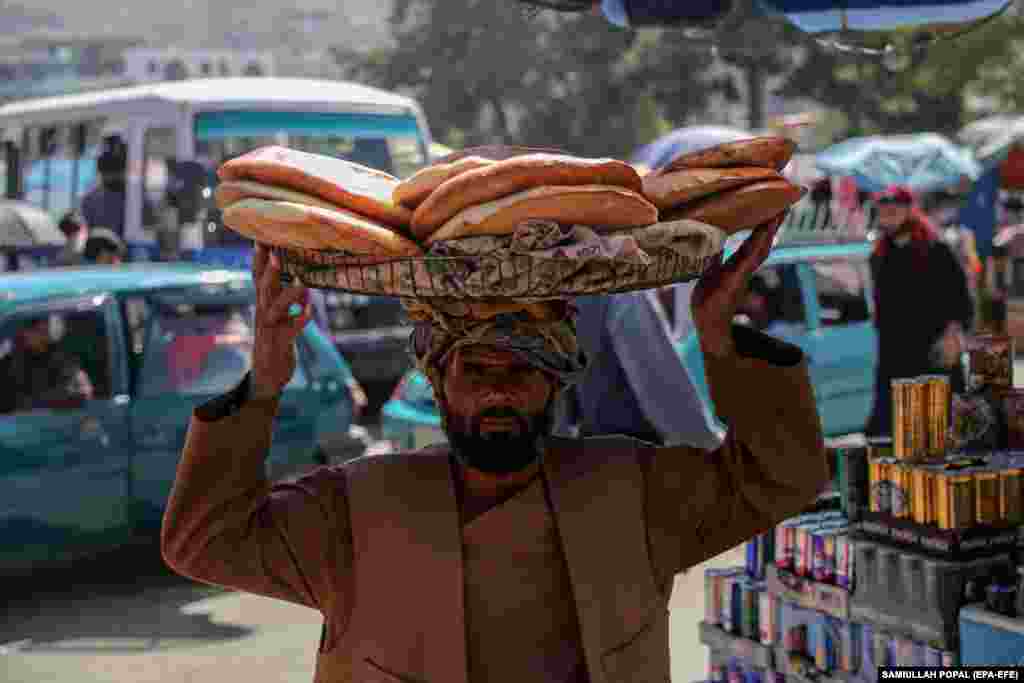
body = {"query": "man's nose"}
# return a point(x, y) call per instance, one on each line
point(497, 390)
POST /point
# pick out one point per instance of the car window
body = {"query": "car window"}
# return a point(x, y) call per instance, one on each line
point(55, 360)
point(841, 291)
point(773, 298)
point(356, 313)
point(200, 350)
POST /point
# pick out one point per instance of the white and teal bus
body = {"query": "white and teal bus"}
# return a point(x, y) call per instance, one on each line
point(51, 144)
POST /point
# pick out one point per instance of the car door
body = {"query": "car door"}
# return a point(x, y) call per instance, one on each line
point(198, 346)
point(64, 468)
point(843, 342)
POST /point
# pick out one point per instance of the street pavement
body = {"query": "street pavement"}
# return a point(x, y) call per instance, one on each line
point(131, 620)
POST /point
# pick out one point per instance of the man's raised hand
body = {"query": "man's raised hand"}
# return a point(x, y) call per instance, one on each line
point(721, 289)
point(273, 358)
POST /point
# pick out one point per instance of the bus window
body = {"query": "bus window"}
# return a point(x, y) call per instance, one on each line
point(59, 164)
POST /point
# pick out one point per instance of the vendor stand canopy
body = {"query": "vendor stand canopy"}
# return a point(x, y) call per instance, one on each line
point(924, 163)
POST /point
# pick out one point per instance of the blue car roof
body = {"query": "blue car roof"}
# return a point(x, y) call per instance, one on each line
point(813, 251)
point(51, 283)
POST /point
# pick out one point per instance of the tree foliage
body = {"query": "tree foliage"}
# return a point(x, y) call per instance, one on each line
point(487, 71)
point(934, 90)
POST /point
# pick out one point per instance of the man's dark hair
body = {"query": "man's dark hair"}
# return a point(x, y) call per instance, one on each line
point(102, 240)
point(114, 157)
point(821, 191)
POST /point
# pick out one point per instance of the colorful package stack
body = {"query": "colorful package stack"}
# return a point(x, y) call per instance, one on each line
point(760, 552)
point(833, 645)
point(816, 546)
point(950, 495)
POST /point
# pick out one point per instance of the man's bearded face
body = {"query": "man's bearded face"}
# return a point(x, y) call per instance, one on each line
point(496, 408)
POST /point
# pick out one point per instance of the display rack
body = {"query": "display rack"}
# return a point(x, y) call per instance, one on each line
point(905, 604)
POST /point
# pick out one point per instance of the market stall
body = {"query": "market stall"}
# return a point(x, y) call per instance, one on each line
point(910, 559)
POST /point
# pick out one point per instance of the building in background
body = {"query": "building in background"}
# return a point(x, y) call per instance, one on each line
point(53, 62)
point(148, 65)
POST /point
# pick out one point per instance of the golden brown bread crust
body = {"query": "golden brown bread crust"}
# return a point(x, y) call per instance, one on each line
point(514, 175)
point(743, 208)
point(601, 207)
point(232, 191)
point(411, 192)
point(286, 224)
point(679, 187)
point(497, 152)
point(347, 185)
point(765, 152)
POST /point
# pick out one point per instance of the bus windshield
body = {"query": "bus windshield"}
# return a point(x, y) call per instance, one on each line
point(389, 143)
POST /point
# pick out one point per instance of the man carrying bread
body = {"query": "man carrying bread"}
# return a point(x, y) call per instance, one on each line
point(507, 555)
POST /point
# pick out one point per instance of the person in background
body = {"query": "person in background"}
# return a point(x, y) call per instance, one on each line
point(946, 215)
point(104, 248)
point(922, 304)
point(636, 383)
point(76, 231)
point(37, 375)
point(1000, 265)
point(104, 205)
point(997, 285)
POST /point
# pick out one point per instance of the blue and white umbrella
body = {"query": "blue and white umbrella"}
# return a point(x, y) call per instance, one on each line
point(923, 163)
point(685, 140)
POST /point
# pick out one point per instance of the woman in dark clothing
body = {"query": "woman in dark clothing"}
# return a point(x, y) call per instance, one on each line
point(922, 304)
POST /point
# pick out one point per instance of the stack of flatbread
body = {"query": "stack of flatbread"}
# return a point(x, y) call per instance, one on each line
point(571, 224)
point(734, 186)
point(286, 198)
point(504, 224)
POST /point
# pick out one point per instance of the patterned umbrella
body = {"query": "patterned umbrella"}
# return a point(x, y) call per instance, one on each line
point(924, 163)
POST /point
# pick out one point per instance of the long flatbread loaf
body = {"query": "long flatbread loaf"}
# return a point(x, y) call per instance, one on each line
point(232, 191)
point(672, 189)
point(514, 175)
point(743, 208)
point(286, 224)
point(765, 152)
point(600, 207)
point(411, 192)
point(342, 183)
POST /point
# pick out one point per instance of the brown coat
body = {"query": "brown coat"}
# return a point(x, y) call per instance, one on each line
point(375, 545)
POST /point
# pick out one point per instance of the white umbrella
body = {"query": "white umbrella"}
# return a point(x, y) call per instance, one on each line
point(992, 138)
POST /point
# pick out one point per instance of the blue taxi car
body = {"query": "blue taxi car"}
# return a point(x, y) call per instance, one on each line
point(817, 296)
point(153, 342)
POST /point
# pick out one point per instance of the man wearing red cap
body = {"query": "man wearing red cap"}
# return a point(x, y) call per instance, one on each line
point(922, 304)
